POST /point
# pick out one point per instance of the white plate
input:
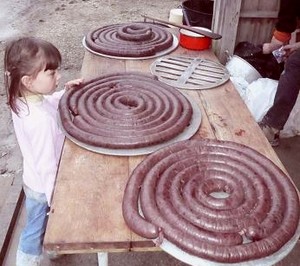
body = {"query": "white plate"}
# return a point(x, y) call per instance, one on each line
point(183, 256)
point(186, 134)
point(164, 52)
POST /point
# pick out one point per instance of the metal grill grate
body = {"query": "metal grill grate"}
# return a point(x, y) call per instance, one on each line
point(189, 73)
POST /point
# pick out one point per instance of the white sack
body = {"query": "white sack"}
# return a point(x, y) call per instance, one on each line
point(259, 97)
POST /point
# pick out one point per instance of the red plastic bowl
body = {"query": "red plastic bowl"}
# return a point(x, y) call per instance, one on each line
point(194, 41)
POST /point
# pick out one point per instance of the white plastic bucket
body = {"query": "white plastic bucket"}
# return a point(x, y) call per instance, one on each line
point(238, 67)
point(176, 16)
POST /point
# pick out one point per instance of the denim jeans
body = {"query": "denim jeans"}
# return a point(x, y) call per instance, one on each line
point(32, 236)
point(286, 94)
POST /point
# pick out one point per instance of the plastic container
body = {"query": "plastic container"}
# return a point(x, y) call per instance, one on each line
point(238, 67)
point(198, 12)
point(194, 41)
point(176, 16)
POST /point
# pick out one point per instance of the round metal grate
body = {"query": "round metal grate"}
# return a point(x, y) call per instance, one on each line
point(189, 73)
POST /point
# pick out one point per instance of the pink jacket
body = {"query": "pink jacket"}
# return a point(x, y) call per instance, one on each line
point(40, 140)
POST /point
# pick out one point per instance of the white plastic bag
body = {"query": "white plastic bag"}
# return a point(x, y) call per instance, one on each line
point(259, 97)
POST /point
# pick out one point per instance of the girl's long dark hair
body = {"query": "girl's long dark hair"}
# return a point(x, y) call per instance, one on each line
point(26, 56)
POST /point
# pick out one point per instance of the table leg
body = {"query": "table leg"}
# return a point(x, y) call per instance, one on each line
point(102, 258)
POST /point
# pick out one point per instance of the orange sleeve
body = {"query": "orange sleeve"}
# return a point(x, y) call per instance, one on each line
point(282, 36)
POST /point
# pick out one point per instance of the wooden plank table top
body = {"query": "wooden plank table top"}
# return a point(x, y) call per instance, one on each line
point(86, 213)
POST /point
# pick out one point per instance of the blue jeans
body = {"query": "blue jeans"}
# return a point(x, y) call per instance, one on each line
point(32, 236)
point(286, 94)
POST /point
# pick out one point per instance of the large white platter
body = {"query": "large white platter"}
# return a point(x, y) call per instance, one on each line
point(183, 256)
point(161, 53)
point(186, 134)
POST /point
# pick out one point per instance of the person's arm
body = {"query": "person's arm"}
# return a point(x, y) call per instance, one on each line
point(290, 48)
point(287, 20)
point(55, 97)
point(271, 46)
point(286, 24)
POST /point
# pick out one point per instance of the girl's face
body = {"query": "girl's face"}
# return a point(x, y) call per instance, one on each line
point(45, 82)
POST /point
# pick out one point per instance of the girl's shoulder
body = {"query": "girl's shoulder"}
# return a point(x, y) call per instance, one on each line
point(36, 111)
point(36, 118)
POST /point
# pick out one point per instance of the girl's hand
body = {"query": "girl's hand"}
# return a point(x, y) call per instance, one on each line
point(73, 83)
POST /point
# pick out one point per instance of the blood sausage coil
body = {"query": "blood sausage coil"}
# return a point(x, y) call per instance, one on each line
point(178, 189)
point(129, 40)
point(124, 111)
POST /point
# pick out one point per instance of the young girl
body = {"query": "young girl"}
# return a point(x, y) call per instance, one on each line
point(31, 77)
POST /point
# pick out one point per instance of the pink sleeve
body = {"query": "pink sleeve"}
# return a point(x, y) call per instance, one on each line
point(54, 98)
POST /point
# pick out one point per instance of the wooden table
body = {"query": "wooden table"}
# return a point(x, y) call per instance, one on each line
point(86, 214)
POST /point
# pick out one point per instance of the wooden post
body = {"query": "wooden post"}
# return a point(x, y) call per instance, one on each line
point(225, 22)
